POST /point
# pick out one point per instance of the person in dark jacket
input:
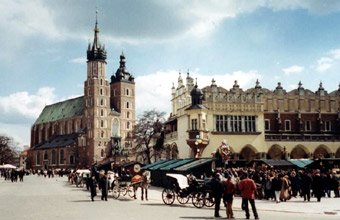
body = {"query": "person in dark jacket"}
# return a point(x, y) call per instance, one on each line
point(217, 191)
point(93, 187)
point(306, 183)
point(277, 186)
point(104, 186)
point(318, 186)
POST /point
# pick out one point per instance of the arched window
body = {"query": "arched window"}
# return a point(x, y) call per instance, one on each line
point(128, 125)
point(127, 114)
point(101, 102)
point(115, 128)
point(102, 153)
point(127, 104)
point(71, 159)
point(38, 158)
point(127, 91)
point(101, 112)
point(101, 91)
point(101, 123)
point(54, 157)
point(45, 155)
point(61, 161)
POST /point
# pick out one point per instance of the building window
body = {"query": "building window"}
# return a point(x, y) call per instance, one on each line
point(45, 155)
point(71, 159)
point(287, 125)
point(61, 160)
point(101, 123)
point(328, 125)
point(101, 91)
point(38, 158)
point(54, 157)
point(203, 124)
point(101, 82)
point(102, 134)
point(127, 92)
point(102, 153)
point(127, 114)
point(101, 102)
point(194, 124)
point(101, 112)
point(308, 125)
point(128, 125)
point(127, 104)
point(235, 123)
point(267, 125)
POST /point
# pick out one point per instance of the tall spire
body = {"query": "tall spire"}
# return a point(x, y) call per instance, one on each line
point(97, 51)
point(96, 43)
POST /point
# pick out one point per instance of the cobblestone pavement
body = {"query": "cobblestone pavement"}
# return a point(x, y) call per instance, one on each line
point(39, 198)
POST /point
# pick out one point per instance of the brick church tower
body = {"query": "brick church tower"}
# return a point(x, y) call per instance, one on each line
point(98, 114)
point(122, 89)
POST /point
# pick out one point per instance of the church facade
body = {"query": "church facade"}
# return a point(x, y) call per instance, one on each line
point(87, 129)
point(257, 123)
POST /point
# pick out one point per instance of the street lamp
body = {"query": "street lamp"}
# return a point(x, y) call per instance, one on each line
point(198, 141)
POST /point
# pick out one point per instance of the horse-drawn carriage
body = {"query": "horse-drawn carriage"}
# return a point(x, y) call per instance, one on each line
point(127, 185)
point(183, 190)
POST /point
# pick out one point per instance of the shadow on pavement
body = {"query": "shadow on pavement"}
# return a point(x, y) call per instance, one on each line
point(87, 200)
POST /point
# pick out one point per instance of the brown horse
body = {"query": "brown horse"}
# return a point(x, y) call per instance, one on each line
point(142, 181)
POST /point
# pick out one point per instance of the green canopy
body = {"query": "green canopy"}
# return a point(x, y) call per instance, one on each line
point(194, 164)
point(176, 164)
point(153, 164)
point(301, 163)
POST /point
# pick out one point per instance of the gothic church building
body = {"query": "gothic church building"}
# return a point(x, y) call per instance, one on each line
point(81, 131)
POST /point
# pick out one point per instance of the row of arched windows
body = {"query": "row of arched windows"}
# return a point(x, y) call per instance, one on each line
point(53, 157)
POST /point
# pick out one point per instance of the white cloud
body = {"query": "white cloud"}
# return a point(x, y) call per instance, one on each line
point(22, 106)
point(293, 69)
point(79, 60)
point(154, 90)
point(324, 63)
point(19, 111)
point(335, 54)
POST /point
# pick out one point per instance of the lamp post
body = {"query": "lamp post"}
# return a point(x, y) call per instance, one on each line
point(198, 141)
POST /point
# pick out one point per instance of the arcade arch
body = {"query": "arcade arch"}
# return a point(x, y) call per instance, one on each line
point(248, 153)
point(322, 151)
point(275, 152)
point(299, 152)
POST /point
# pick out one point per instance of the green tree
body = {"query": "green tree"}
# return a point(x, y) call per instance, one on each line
point(147, 134)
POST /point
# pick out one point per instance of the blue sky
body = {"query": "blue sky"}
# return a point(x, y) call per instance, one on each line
point(43, 48)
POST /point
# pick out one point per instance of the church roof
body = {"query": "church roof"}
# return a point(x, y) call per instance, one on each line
point(61, 110)
point(59, 141)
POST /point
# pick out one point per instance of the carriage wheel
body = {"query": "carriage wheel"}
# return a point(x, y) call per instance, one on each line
point(198, 200)
point(116, 192)
point(182, 199)
point(209, 200)
point(131, 191)
point(168, 196)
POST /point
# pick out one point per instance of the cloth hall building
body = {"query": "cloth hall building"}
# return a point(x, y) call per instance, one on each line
point(80, 131)
point(257, 123)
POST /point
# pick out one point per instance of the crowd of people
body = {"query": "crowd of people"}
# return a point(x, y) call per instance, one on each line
point(277, 185)
point(13, 175)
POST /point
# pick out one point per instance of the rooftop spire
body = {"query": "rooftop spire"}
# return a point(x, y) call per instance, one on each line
point(96, 52)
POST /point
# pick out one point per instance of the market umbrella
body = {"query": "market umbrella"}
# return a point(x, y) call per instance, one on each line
point(8, 166)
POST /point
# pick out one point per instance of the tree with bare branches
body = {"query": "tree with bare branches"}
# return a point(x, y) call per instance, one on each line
point(147, 134)
point(7, 150)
